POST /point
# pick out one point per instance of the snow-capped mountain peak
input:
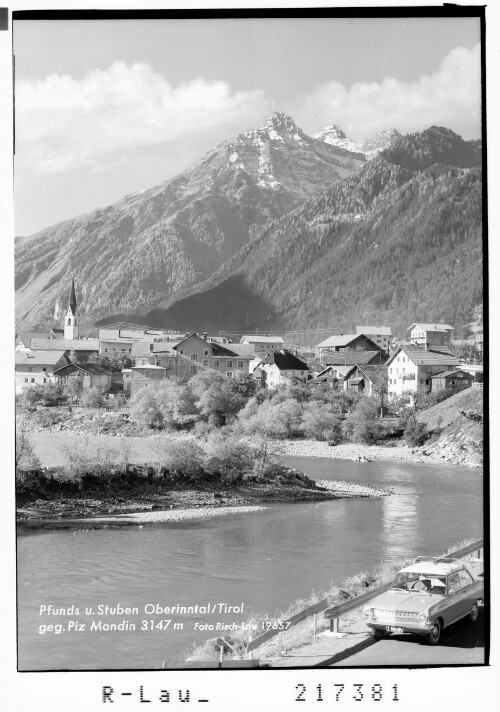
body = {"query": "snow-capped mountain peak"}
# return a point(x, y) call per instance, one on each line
point(333, 135)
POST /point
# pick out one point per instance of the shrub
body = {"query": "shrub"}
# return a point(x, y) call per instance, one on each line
point(91, 396)
point(229, 459)
point(182, 460)
point(415, 432)
point(320, 422)
point(361, 425)
point(144, 409)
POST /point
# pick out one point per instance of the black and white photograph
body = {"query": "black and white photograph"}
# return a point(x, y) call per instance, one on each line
point(251, 345)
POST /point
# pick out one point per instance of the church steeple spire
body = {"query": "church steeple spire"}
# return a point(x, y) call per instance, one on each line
point(72, 299)
point(71, 318)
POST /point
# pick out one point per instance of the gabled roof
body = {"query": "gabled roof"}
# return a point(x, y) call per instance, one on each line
point(262, 339)
point(38, 358)
point(374, 330)
point(351, 357)
point(422, 357)
point(457, 373)
point(431, 327)
point(243, 350)
point(26, 336)
point(90, 368)
point(65, 344)
point(371, 371)
point(285, 361)
point(217, 349)
point(337, 340)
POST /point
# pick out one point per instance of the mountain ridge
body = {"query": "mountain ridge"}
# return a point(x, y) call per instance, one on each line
point(177, 233)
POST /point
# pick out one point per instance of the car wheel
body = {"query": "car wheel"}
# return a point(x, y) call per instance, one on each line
point(432, 638)
point(378, 634)
point(474, 614)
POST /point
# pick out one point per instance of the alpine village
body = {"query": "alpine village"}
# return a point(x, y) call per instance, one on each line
point(286, 296)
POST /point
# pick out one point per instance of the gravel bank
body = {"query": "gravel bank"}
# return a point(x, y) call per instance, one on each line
point(353, 451)
point(175, 515)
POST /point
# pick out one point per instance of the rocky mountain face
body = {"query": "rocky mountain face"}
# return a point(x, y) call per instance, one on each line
point(369, 148)
point(151, 245)
point(399, 241)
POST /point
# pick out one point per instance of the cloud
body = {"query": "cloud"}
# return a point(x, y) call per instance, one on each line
point(64, 123)
point(450, 97)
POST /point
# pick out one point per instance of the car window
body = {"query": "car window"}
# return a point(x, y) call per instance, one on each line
point(465, 578)
point(453, 583)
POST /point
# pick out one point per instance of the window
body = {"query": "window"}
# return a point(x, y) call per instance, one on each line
point(44, 369)
point(182, 352)
point(216, 363)
point(158, 362)
point(427, 381)
point(32, 380)
point(453, 583)
point(193, 369)
point(229, 364)
point(30, 369)
point(144, 362)
point(26, 380)
point(151, 347)
point(194, 357)
point(105, 351)
point(205, 361)
point(465, 578)
point(240, 364)
point(205, 353)
point(229, 374)
point(147, 374)
point(45, 380)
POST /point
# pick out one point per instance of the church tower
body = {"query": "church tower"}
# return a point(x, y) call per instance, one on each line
point(71, 319)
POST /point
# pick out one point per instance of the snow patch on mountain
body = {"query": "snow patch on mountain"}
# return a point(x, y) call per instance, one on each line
point(334, 136)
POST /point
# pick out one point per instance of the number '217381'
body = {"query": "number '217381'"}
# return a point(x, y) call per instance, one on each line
point(358, 693)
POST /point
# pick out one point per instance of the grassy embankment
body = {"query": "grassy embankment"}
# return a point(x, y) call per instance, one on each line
point(301, 634)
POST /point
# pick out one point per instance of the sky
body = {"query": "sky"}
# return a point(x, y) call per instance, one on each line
point(105, 108)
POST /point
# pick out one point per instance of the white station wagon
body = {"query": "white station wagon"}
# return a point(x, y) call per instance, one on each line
point(425, 598)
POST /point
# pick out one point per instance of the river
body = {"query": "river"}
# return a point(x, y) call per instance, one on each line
point(260, 562)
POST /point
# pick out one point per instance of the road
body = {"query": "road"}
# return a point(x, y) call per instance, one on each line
point(461, 643)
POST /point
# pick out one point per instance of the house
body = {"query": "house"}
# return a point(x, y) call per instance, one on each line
point(430, 334)
point(343, 342)
point(411, 367)
point(90, 375)
point(381, 335)
point(196, 352)
point(263, 345)
point(139, 376)
point(355, 358)
point(35, 368)
point(24, 338)
point(83, 348)
point(331, 377)
point(368, 379)
point(281, 367)
point(116, 348)
point(160, 354)
point(457, 379)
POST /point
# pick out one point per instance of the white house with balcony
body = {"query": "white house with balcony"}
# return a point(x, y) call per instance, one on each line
point(410, 368)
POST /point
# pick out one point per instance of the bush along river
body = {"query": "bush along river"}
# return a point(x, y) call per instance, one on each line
point(136, 597)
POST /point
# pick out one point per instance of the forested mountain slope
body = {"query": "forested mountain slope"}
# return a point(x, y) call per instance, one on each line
point(400, 241)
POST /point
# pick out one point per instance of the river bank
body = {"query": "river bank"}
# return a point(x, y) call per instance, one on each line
point(148, 503)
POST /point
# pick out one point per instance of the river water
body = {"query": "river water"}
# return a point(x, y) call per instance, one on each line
point(258, 562)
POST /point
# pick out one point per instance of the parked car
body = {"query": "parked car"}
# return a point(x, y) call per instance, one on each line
point(425, 598)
